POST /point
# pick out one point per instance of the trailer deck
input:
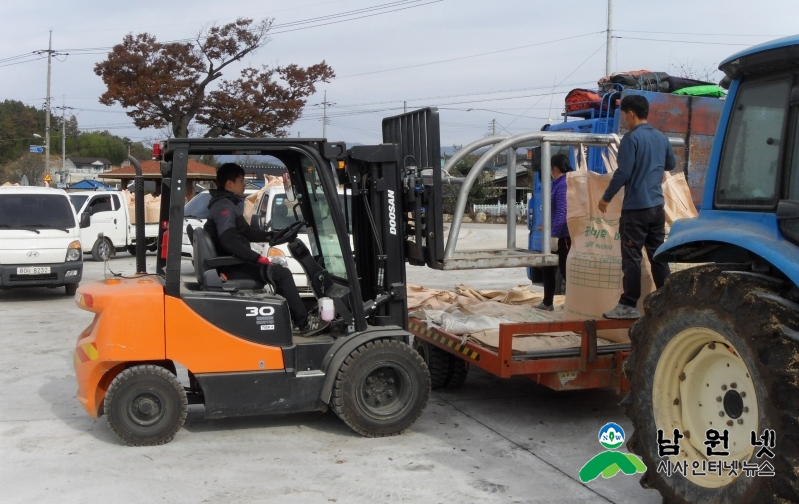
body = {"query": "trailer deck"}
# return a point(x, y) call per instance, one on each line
point(587, 367)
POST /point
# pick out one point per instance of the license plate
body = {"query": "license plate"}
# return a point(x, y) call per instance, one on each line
point(35, 270)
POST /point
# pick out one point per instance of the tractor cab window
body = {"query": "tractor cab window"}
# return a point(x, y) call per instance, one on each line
point(790, 227)
point(750, 161)
point(324, 230)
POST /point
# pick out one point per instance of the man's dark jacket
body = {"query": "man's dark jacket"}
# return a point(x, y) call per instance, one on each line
point(228, 229)
point(644, 154)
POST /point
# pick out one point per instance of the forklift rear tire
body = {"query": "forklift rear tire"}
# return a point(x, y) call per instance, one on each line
point(381, 388)
point(102, 250)
point(446, 370)
point(145, 405)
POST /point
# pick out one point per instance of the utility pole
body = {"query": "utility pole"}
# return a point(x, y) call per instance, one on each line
point(64, 134)
point(324, 117)
point(63, 173)
point(47, 107)
point(609, 43)
point(404, 107)
point(494, 133)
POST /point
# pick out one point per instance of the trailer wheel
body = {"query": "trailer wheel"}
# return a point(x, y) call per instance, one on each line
point(381, 388)
point(102, 250)
point(145, 405)
point(716, 349)
point(446, 370)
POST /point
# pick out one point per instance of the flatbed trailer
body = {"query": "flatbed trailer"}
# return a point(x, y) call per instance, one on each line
point(588, 367)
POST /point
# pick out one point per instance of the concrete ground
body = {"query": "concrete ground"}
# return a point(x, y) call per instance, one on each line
point(491, 440)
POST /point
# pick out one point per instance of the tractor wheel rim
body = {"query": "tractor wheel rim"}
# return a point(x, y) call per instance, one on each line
point(145, 409)
point(701, 383)
point(384, 390)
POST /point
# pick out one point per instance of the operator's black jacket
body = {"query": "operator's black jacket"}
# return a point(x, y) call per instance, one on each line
point(228, 229)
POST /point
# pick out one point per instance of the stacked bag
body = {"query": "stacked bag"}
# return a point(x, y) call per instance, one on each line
point(152, 207)
point(643, 80)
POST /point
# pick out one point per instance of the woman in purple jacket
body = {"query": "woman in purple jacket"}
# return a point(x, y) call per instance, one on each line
point(560, 166)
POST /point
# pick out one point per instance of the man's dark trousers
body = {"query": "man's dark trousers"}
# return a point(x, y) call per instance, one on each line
point(641, 229)
point(284, 285)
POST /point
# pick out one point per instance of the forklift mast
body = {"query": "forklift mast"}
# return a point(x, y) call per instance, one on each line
point(396, 216)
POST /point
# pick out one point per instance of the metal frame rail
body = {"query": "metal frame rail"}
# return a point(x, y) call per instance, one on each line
point(588, 367)
point(511, 257)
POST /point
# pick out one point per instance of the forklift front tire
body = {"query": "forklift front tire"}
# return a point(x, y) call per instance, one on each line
point(145, 405)
point(381, 388)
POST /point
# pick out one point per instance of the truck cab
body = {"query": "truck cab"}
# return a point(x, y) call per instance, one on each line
point(40, 239)
point(110, 225)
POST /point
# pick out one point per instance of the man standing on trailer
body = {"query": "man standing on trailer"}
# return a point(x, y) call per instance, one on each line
point(644, 154)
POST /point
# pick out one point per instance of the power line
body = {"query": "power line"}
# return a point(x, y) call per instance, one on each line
point(462, 95)
point(561, 82)
point(701, 34)
point(470, 56)
point(383, 8)
point(684, 41)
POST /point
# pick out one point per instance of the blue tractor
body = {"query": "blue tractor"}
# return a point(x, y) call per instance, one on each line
point(714, 372)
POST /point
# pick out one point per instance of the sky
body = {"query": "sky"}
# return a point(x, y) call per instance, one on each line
point(504, 64)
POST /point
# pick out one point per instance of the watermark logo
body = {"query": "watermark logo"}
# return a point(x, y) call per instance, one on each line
point(611, 462)
point(611, 436)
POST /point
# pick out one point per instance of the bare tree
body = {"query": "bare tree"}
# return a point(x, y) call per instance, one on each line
point(167, 84)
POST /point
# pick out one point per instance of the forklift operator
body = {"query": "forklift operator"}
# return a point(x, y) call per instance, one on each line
point(230, 232)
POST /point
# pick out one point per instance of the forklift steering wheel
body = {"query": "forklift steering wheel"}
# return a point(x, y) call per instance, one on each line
point(287, 234)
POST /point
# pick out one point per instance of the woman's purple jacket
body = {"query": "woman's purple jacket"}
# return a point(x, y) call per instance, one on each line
point(559, 229)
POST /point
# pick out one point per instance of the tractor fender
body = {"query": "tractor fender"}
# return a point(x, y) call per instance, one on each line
point(344, 346)
point(758, 233)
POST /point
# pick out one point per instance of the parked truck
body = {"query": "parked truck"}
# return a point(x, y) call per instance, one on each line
point(40, 239)
point(110, 217)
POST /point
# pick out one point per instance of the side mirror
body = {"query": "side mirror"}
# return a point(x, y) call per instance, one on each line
point(288, 188)
point(788, 210)
point(85, 220)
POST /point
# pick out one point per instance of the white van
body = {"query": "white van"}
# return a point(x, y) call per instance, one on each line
point(110, 216)
point(39, 239)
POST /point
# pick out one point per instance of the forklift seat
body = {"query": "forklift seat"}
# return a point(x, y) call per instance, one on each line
point(206, 261)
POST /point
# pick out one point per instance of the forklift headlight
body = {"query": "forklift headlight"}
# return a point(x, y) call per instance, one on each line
point(73, 251)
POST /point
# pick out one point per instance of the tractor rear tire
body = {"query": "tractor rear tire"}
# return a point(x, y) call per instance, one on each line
point(446, 370)
point(102, 250)
point(381, 388)
point(716, 349)
point(145, 405)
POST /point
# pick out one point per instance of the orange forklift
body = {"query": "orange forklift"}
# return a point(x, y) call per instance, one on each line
point(235, 337)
